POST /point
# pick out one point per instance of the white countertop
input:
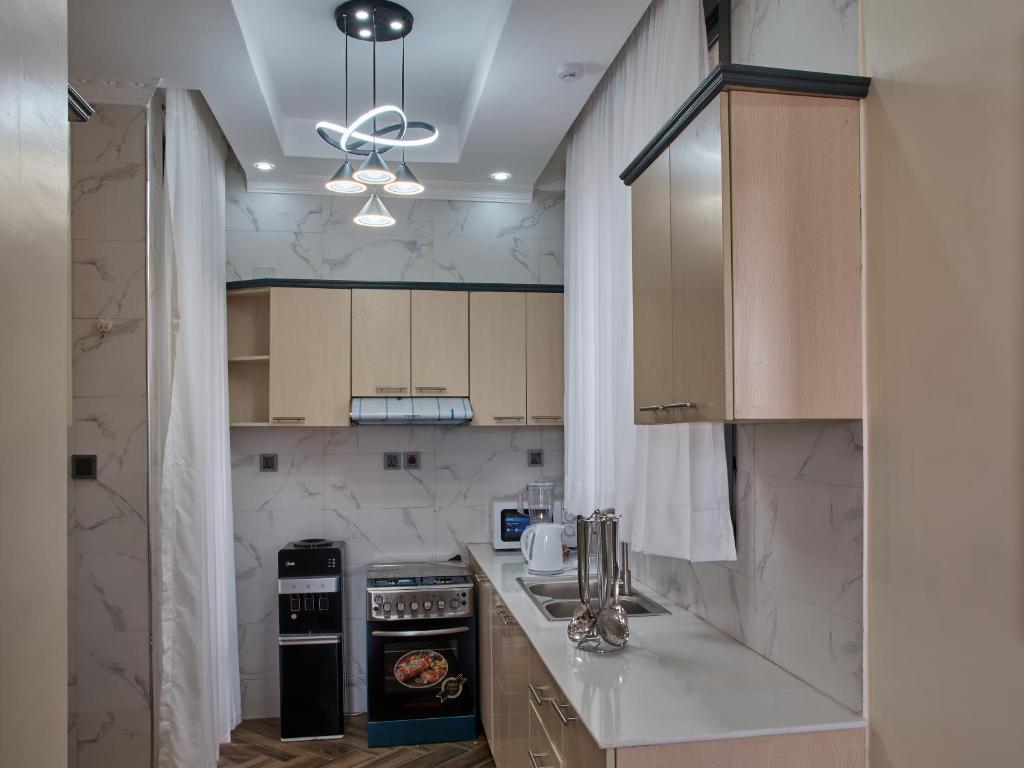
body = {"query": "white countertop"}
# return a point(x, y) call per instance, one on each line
point(679, 679)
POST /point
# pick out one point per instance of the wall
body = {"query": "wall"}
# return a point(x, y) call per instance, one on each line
point(820, 35)
point(332, 482)
point(794, 593)
point(275, 235)
point(943, 193)
point(34, 379)
point(109, 536)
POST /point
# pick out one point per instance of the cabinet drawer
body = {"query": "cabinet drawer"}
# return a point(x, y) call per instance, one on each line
point(542, 752)
point(544, 694)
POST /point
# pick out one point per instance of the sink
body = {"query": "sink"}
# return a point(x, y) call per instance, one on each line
point(557, 598)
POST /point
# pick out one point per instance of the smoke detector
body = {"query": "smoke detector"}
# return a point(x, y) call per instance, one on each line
point(568, 73)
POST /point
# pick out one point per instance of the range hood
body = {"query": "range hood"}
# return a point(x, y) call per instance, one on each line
point(411, 410)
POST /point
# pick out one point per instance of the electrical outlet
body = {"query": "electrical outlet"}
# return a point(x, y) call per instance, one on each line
point(412, 460)
point(392, 461)
point(535, 458)
point(268, 462)
point(83, 466)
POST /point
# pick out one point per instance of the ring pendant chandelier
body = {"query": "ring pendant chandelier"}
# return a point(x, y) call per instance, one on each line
point(375, 21)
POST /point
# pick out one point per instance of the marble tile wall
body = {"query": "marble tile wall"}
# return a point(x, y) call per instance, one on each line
point(312, 236)
point(821, 35)
point(795, 592)
point(332, 483)
point(109, 687)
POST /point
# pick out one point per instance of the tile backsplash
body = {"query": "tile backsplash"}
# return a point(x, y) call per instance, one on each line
point(333, 483)
point(795, 592)
point(313, 236)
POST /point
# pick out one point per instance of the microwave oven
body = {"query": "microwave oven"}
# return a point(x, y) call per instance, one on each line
point(507, 525)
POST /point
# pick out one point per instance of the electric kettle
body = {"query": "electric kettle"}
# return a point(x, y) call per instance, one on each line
point(542, 547)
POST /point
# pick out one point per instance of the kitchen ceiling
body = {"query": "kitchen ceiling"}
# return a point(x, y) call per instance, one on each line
point(484, 71)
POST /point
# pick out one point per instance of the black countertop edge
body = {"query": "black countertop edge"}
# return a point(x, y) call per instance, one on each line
point(727, 77)
point(280, 282)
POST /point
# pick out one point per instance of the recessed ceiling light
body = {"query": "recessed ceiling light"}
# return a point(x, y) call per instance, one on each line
point(364, 33)
point(362, 15)
point(263, 165)
point(397, 25)
point(501, 175)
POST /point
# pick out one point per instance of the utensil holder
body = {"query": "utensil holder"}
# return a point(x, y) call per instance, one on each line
point(603, 524)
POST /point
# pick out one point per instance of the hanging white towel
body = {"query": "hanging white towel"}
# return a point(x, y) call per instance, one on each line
point(681, 493)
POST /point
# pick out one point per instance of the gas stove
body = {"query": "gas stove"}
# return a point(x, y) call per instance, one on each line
point(407, 591)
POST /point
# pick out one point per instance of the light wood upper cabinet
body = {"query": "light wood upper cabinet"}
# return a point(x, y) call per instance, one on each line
point(652, 292)
point(310, 332)
point(440, 343)
point(381, 338)
point(746, 294)
point(497, 358)
point(545, 379)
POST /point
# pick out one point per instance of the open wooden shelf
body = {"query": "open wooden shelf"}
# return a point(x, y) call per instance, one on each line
point(248, 316)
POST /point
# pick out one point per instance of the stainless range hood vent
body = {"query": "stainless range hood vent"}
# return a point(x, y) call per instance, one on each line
point(411, 410)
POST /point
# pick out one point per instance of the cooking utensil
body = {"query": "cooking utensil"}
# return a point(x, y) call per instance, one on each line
point(581, 625)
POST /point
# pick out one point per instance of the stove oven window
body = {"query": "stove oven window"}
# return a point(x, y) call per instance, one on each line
point(420, 677)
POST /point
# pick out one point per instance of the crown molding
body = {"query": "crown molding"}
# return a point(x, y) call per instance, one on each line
point(435, 190)
point(97, 89)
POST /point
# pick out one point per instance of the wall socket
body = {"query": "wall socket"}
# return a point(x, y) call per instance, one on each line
point(268, 462)
point(535, 458)
point(412, 460)
point(392, 461)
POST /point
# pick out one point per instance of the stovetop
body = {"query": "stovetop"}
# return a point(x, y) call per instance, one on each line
point(397, 591)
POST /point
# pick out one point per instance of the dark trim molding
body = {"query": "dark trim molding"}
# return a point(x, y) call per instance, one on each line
point(281, 282)
point(79, 110)
point(743, 77)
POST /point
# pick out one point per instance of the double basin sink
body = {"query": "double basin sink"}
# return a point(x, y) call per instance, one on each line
point(557, 597)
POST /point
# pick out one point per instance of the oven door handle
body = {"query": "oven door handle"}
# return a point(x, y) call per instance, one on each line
point(419, 632)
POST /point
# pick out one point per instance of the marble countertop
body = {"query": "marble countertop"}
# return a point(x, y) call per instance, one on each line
point(679, 679)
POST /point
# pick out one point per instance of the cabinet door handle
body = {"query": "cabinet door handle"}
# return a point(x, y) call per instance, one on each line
point(391, 389)
point(560, 711)
point(509, 418)
point(431, 389)
point(536, 694)
point(649, 408)
point(683, 404)
point(546, 418)
point(288, 418)
point(535, 758)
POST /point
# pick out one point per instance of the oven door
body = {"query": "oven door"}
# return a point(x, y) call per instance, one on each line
point(421, 669)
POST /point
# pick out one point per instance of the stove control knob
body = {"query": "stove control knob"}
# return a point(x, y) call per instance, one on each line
point(400, 606)
point(387, 607)
point(427, 605)
point(440, 605)
point(414, 606)
point(378, 599)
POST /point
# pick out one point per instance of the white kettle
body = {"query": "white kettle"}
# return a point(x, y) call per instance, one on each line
point(542, 547)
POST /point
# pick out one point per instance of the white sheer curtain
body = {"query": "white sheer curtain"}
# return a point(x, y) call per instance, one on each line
point(198, 697)
point(668, 482)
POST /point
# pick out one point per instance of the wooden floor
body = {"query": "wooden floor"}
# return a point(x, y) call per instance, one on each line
point(256, 744)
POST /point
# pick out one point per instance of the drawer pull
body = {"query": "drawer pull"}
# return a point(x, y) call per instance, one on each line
point(560, 710)
point(535, 759)
point(391, 389)
point(288, 418)
point(431, 389)
point(536, 694)
point(546, 418)
point(510, 418)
